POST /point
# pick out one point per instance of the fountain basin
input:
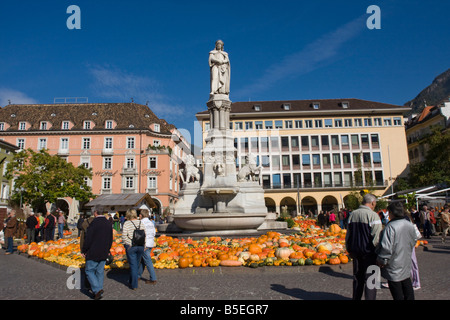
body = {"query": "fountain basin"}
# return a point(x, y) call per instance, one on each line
point(219, 221)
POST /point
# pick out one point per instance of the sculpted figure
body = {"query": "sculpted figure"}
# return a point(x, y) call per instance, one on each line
point(192, 172)
point(250, 171)
point(220, 70)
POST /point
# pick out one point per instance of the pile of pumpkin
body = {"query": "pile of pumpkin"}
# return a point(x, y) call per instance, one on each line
point(310, 245)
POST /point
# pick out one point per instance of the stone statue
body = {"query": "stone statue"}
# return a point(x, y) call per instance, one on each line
point(191, 171)
point(220, 70)
point(250, 170)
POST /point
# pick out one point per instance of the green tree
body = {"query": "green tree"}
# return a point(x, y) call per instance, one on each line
point(41, 178)
point(435, 169)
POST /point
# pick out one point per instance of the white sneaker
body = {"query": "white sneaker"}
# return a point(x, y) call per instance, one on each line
point(416, 288)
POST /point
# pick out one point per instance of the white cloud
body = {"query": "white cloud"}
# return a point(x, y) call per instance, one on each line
point(112, 83)
point(306, 60)
point(8, 95)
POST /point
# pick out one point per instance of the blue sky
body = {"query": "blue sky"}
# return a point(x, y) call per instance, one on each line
point(157, 51)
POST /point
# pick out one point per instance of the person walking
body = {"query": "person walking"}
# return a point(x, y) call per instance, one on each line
point(332, 218)
point(96, 247)
point(10, 230)
point(40, 237)
point(150, 233)
point(445, 222)
point(395, 249)
point(363, 233)
point(31, 224)
point(134, 251)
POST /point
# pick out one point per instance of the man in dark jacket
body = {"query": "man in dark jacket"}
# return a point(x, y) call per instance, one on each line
point(96, 246)
point(362, 238)
point(31, 223)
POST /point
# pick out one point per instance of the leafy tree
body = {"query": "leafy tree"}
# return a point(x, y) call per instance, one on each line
point(41, 178)
point(435, 169)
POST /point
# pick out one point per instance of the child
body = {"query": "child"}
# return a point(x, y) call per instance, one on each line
point(395, 252)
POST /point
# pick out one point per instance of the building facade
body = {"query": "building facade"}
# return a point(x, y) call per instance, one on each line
point(129, 149)
point(420, 126)
point(7, 151)
point(314, 152)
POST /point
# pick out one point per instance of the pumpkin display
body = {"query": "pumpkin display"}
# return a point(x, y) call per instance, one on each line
point(311, 245)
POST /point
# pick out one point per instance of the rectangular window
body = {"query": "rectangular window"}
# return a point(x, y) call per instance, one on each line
point(355, 141)
point(248, 125)
point(397, 121)
point(307, 180)
point(295, 160)
point(316, 159)
point(64, 144)
point(43, 125)
point(286, 161)
point(335, 142)
point(366, 158)
point(2, 126)
point(157, 127)
point(377, 122)
point(85, 162)
point(65, 125)
point(315, 142)
point(152, 182)
point(268, 124)
point(308, 123)
point(129, 182)
point(338, 123)
point(152, 164)
point(244, 145)
point(274, 144)
point(365, 140)
point(42, 143)
point(336, 159)
point(337, 179)
point(129, 163)
point(130, 143)
point(106, 183)
point(375, 140)
point(326, 160)
point(345, 141)
point(294, 143)
point(358, 122)
point(108, 143)
point(348, 123)
point(318, 123)
point(108, 124)
point(305, 142)
point(328, 123)
point(254, 144)
point(288, 124)
point(21, 143)
point(276, 162)
point(238, 126)
point(258, 125)
point(87, 125)
point(107, 163)
point(265, 161)
point(207, 126)
point(367, 122)
point(387, 122)
point(306, 160)
point(298, 124)
point(376, 157)
point(278, 124)
point(22, 126)
point(325, 142)
point(327, 179)
point(285, 143)
point(264, 144)
point(86, 143)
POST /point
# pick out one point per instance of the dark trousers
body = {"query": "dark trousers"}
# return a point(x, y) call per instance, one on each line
point(401, 290)
point(360, 265)
point(427, 229)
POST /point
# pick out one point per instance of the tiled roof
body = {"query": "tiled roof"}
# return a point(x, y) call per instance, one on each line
point(308, 105)
point(126, 115)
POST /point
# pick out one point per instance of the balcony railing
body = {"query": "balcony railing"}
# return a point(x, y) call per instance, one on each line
point(323, 185)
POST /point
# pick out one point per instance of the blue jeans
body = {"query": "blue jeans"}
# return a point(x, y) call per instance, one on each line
point(134, 255)
point(60, 230)
point(10, 242)
point(95, 272)
point(147, 261)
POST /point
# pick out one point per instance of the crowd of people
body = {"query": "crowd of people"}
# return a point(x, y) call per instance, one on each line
point(138, 238)
point(387, 240)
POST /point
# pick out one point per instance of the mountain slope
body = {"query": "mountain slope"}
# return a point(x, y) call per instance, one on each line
point(435, 93)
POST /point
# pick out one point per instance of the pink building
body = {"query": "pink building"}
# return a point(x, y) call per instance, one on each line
point(129, 149)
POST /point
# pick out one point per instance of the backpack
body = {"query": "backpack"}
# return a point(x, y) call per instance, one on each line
point(138, 236)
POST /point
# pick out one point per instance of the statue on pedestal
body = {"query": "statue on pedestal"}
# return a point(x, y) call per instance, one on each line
point(219, 64)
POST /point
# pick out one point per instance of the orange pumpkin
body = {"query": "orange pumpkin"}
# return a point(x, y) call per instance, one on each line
point(183, 262)
point(343, 258)
point(255, 248)
point(334, 260)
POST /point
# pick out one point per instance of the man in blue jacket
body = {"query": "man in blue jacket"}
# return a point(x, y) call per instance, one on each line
point(363, 234)
point(96, 246)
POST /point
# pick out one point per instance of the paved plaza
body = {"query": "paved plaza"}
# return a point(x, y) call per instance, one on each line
point(24, 278)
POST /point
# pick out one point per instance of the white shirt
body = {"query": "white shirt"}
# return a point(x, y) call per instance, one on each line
point(150, 232)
